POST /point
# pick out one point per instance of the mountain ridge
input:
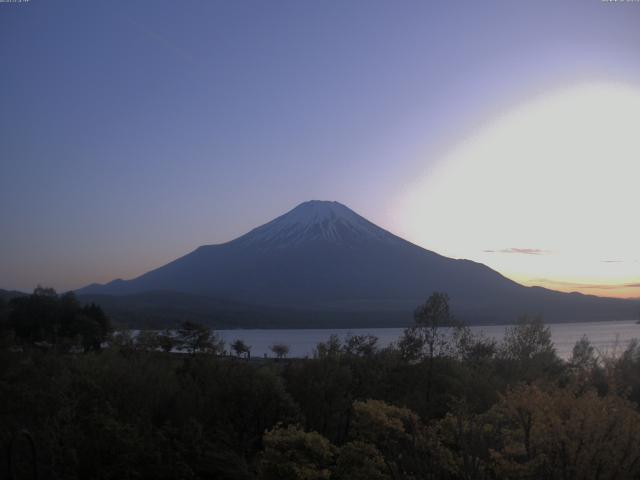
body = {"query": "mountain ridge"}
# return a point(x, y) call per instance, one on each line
point(323, 257)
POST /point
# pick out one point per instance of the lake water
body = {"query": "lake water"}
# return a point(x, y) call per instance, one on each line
point(607, 337)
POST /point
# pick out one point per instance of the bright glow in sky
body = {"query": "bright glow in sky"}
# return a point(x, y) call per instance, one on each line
point(547, 193)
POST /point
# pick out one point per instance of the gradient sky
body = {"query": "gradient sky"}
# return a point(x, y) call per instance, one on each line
point(132, 132)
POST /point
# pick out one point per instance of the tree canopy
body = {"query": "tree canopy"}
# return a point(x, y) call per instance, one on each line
point(59, 321)
point(171, 404)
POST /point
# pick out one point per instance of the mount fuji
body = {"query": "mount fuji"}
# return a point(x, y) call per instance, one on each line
point(321, 263)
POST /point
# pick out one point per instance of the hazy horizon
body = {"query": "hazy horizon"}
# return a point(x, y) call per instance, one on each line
point(133, 133)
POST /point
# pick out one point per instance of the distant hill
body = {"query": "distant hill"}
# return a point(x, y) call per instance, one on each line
point(7, 295)
point(323, 264)
point(168, 309)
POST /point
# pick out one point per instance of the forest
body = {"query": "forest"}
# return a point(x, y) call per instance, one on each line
point(79, 400)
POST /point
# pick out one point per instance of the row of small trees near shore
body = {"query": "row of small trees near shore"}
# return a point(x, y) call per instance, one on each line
point(189, 337)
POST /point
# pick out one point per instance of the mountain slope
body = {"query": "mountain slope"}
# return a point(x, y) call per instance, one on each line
point(7, 295)
point(322, 256)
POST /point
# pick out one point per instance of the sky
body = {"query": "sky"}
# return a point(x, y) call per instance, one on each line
point(503, 132)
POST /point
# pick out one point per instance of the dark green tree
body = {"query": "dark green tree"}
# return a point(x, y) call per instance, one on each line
point(331, 348)
point(195, 338)
point(280, 350)
point(60, 322)
point(94, 327)
point(35, 318)
point(361, 461)
point(241, 348)
point(529, 351)
point(429, 337)
point(292, 454)
point(361, 345)
point(166, 341)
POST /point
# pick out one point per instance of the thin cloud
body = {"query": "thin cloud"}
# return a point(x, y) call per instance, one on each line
point(521, 251)
point(586, 285)
point(620, 261)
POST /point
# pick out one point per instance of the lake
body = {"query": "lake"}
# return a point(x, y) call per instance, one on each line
point(607, 337)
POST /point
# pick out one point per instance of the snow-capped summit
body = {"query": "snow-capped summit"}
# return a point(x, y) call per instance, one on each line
point(314, 221)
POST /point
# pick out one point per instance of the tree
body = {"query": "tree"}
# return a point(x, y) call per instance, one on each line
point(428, 335)
point(361, 345)
point(6, 332)
point(166, 341)
point(379, 423)
point(323, 388)
point(281, 350)
point(361, 461)
point(241, 348)
point(529, 338)
point(471, 347)
point(583, 358)
point(195, 338)
point(290, 453)
point(147, 341)
point(427, 338)
point(34, 318)
point(59, 322)
point(94, 326)
point(410, 449)
point(411, 344)
point(122, 340)
point(45, 292)
point(469, 438)
point(560, 434)
point(623, 372)
point(528, 346)
point(332, 348)
point(431, 318)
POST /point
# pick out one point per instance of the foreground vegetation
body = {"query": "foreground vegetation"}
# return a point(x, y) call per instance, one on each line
point(77, 401)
